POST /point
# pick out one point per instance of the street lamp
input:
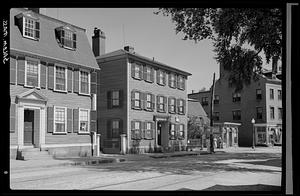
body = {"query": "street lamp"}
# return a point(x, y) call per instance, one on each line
point(253, 145)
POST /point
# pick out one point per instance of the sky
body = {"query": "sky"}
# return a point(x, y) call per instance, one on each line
point(151, 36)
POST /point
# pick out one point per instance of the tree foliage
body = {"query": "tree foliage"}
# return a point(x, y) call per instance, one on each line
point(239, 36)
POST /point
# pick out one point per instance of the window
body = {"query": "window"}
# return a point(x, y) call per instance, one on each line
point(66, 37)
point(83, 121)
point(60, 116)
point(32, 73)
point(204, 101)
point(137, 71)
point(31, 28)
point(236, 97)
point(60, 78)
point(181, 131)
point(271, 93)
point(279, 95)
point(161, 104)
point(172, 131)
point(258, 94)
point(149, 128)
point(259, 113)
point(136, 99)
point(115, 132)
point(115, 98)
point(148, 74)
point(172, 80)
point(84, 82)
point(181, 83)
point(272, 113)
point(216, 116)
point(236, 115)
point(161, 77)
point(279, 113)
point(181, 106)
point(150, 105)
point(172, 105)
point(136, 130)
point(217, 99)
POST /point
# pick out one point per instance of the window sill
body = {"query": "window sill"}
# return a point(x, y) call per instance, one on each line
point(58, 133)
point(60, 91)
point(137, 78)
point(68, 48)
point(161, 84)
point(172, 112)
point(136, 108)
point(161, 111)
point(83, 133)
point(148, 81)
point(31, 38)
point(84, 94)
point(28, 86)
point(149, 110)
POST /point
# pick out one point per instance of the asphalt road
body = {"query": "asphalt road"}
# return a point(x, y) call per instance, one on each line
point(146, 173)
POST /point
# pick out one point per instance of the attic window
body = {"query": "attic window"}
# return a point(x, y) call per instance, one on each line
point(28, 25)
point(66, 37)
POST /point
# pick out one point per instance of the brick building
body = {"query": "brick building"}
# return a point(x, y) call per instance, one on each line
point(142, 102)
point(52, 85)
point(261, 100)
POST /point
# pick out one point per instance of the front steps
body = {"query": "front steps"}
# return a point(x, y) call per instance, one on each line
point(32, 154)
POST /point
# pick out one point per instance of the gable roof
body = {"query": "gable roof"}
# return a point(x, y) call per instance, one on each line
point(195, 108)
point(124, 53)
point(47, 46)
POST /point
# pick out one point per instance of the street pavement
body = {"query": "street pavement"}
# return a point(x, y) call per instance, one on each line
point(239, 166)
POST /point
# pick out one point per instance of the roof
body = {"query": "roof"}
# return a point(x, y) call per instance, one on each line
point(124, 53)
point(195, 108)
point(47, 45)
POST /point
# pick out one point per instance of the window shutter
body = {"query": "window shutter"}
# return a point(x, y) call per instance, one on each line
point(184, 106)
point(175, 106)
point(152, 102)
point(50, 121)
point(165, 78)
point(132, 69)
point(108, 128)
point(74, 40)
point(143, 100)
point(141, 72)
point(94, 82)
point(69, 120)
point(51, 76)
point(13, 67)
point(157, 76)
point(176, 131)
point(62, 37)
point(21, 70)
point(165, 104)
point(132, 99)
point(183, 84)
point(157, 102)
point(12, 125)
point(75, 120)
point(133, 136)
point(69, 77)
point(109, 101)
point(93, 121)
point(76, 81)
point(169, 104)
point(121, 97)
point(43, 74)
point(169, 79)
point(122, 131)
point(37, 30)
point(144, 68)
point(152, 75)
point(183, 133)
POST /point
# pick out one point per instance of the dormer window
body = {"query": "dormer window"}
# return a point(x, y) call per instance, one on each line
point(28, 25)
point(66, 37)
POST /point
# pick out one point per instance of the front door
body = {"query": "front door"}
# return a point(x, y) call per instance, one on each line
point(159, 132)
point(28, 127)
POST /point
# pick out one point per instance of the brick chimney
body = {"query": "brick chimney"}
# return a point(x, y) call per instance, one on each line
point(129, 49)
point(98, 42)
point(274, 66)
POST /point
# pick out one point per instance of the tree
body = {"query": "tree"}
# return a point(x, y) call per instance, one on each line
point(239, 36)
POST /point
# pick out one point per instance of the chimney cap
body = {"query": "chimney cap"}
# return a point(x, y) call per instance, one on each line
point(98, 32)
point(129, 49)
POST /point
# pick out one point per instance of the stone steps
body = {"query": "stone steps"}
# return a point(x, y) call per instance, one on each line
point(35, 154)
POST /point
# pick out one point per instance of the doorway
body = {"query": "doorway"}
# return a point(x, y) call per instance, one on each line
point(28, 127)
point(159, 132)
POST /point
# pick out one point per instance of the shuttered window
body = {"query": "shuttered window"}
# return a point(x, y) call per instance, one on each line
point(149, 102)
point(148, 130)
point(181, 82)
point(136, 99)
point(161, 103)
point(136, 130)
point(60, 78)
point(114, 128)
point(137, 71)
point(32, 73)
point(84, 82)
point(172, 132)
point(148, 74)
point(181, 131)
point(172, 105)
point(83, 121)
point(161, 77)
point(181, 106)
point(172, 80)
point(60, 115)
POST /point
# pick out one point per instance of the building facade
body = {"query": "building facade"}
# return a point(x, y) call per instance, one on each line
point(261, 100)
point(142, 102)
point(52, 85)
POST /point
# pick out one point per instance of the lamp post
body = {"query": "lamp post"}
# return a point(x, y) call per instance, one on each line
point(253, 136)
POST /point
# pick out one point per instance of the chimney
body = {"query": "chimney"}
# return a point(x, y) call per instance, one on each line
point(129, 49)
point(36, 10)
point(274, 66)
point(192, 91)
point(98, 42)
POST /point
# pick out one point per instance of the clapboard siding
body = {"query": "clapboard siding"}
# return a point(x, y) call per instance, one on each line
point(69, 138)
point(13, 138)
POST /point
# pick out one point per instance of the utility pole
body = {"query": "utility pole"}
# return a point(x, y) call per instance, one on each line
point(211, 138)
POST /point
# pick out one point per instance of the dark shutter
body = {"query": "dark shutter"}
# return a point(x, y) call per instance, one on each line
point(13, 67)
point(152, 75)
point(74, 40)
point(132, 69)
point(177, 105)
point(165, 104)
point(143, 98)
point(141, 71)
point(69, 120)
point(122, 131)
point(133, 135)
point(43, 74)
point(165, 77)
point(143, 133)
point(50, 121)
point(152, 102)
point(157, 76)
point(175, 81)
point(132, 99)
point(108, 128)
point(51, 76)
point(19, 23)
point(157, 102)
point(21, 70)
point(93, 119)
point(184, 106)
point(169, 104)
point(12, 125)
point(75, 120)
point(183, 132)
point(76, 81)
point(183, 84)
point(177, 131)
point(37, 30)
point(94, 82)
point(144, 68)
point(109, 101)
point(121, 97)
point(169, 79)
point(70, 78)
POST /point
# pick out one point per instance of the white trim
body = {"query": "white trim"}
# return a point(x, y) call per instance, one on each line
point(89, 78)
point(39, 71)
point(54, 127)
point(64, 145)
point(66, 77)
point(88, 131)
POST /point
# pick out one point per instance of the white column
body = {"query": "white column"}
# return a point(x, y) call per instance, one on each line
point(98, 144)
point(123, 143)
point(20, 119)
point(42, 126)
point(94, 102)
